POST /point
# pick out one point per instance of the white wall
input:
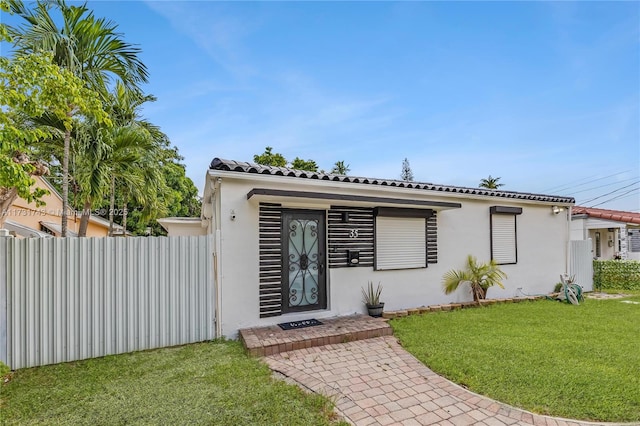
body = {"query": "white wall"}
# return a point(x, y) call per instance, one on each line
point(542, 253)
point(578, 229)
point(182, 227)
point(238, 259)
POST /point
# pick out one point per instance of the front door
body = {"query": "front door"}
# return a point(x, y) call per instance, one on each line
point(303, 266)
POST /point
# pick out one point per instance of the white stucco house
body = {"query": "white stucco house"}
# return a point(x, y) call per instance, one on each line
point(614, 234)
point(293, 245)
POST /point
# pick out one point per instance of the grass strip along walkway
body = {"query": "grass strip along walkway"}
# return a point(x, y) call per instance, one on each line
point(205, 383)
point(580, 362)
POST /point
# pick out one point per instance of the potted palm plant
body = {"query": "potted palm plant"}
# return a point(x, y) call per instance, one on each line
point(480, 276)
point(371, 298)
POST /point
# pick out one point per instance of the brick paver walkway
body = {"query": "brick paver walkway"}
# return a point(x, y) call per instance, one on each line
point(377, 382)
point(272, 340)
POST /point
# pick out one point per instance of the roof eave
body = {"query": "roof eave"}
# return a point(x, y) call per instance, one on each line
point(413, 188)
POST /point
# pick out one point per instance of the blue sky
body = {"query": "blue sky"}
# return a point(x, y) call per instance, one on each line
point(545, 95)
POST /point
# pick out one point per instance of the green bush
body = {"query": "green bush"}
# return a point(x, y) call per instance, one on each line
point(616, 274)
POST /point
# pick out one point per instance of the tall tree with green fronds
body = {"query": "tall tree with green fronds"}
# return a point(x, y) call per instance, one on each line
point(179, 198)
point(490, 183)
point(87, 46)
point(145, 179)
point(91, 170)
point(124, 156)
point(142, 181)
point(339, 168)
point(114, 159)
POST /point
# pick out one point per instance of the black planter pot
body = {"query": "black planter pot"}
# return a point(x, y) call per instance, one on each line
point(375, 310)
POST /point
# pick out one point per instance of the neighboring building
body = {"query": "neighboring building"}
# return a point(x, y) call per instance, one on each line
point(614, 234)
point(27, 220)
point(292, 245)
point(180, 226)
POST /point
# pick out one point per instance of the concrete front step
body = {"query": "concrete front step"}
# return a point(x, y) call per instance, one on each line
point(272, 340)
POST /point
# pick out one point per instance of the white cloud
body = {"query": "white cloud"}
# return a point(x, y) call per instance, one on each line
point(218, 33)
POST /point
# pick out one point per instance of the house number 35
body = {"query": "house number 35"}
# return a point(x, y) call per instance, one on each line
point(353, 233)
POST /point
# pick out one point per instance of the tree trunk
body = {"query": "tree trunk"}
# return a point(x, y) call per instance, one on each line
point(84, 219)
point(65, 181)
point(124, 215)
point(7, 197)
point(479, 293)
point(112, 204)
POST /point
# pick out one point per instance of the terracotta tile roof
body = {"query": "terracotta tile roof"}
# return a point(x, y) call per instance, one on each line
point(242, 167)
point(616, 215)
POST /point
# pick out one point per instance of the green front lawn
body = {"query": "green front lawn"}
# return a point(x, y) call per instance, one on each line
point(205, 383)
point(580, 362)
point(618, 291)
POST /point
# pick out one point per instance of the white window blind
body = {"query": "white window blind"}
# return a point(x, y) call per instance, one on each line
point(503, 238)
point(401, 242)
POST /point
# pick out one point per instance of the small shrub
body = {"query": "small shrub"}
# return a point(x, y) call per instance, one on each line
point(557, 288)
point(371, 296)
point(618, 274)
point(479, 276)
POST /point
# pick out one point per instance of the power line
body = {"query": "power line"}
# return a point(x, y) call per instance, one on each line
point(624, 195)
point(569, 184)
point(602, 186)
point(611, 192)
point(558, 187)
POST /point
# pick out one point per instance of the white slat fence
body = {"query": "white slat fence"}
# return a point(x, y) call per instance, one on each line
point(66, 299)
point(582, 263)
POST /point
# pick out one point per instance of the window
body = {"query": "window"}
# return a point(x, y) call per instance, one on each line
point(401, 238)
point(46, 230)
point(634, 240)
point(504, 235)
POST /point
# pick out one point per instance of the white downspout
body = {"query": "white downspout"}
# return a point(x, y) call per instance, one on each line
point(568, 258)
point(217, 265)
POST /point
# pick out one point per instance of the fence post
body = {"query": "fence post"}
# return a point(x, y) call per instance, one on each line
point(4, 350)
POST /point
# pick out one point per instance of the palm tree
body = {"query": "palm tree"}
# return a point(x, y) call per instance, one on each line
point(340, 168)
point(107, 157)
point(140, 178)
point(92, 175)
point(137, 172)
point(490, 183)
point(126, 156)
point(87, 46)
point(480, 276)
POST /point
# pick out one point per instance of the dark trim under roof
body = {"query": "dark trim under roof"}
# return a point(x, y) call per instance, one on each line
point(403, 212)
point(347, 197)
point(242, 167)
point(505, 210)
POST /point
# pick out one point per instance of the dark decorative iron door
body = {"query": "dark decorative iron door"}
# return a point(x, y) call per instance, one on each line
point(303, 268)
